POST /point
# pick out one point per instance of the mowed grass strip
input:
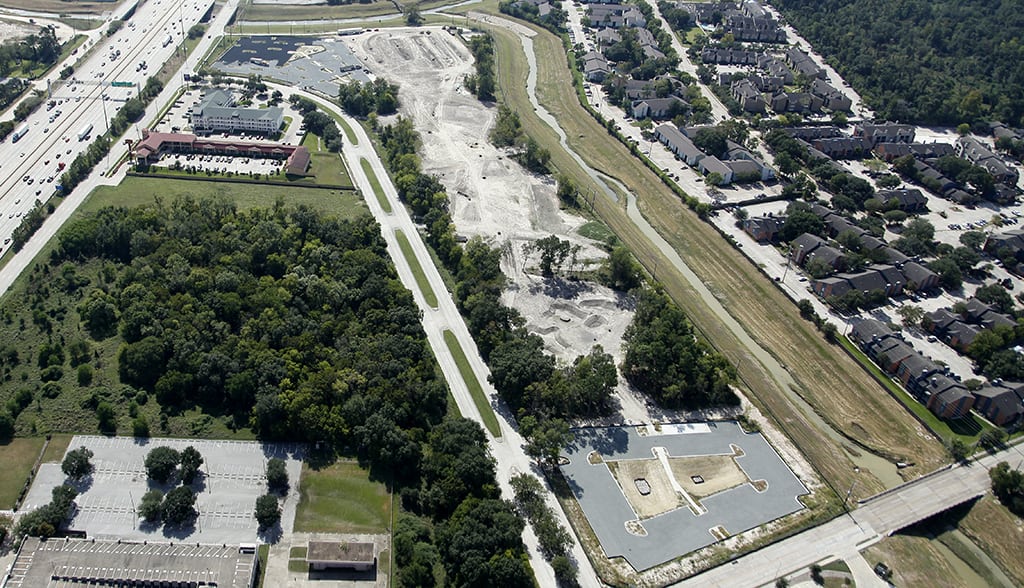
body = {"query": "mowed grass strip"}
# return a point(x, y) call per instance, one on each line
point(382, 199)
point(480, 399)
point(138, 191)
point(417, 270)
point(341, 498)
point(17, 458)
point(968, 429)
point(834, 385)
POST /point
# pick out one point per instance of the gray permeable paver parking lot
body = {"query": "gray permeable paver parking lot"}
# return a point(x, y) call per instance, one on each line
point(679, 531)
point(232, 477)
point(313, 63)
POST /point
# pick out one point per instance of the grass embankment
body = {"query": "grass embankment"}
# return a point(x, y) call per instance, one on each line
point(382, 198)
point(327, 168)
point(998, 533)
point(17, 458)
point(341, 498)
point(275, 13)
point(480, 399)
point(829, 381)
point(968, 429)
point(417, 270)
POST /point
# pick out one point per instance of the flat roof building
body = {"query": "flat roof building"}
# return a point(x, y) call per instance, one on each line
point(217, 112)
point(323, 555)
point(74, 563)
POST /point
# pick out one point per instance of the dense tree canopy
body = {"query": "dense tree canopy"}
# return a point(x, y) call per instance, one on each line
point(666, 359)
point(924, 61)
point(294, 323)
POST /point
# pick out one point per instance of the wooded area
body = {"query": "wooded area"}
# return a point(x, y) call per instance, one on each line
point(922, 61)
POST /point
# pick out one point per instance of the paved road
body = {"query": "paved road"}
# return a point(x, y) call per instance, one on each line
point(876, 518)
point(507, 448)
point(718, 110)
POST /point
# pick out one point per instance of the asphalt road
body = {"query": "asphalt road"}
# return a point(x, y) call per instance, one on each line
point(876, 518)
point(507, 449)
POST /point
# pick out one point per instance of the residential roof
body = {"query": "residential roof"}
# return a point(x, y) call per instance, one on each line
point(917, 273)
point(712, 164)
point(869, 329)
point(807, 242)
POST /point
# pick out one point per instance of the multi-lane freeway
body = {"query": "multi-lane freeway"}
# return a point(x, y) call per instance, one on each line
point(30, 167)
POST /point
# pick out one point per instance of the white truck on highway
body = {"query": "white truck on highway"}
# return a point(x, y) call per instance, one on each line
point(82, 134)
point(19, 133)
point(167, 40)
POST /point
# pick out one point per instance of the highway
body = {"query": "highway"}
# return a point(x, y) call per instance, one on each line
point(29, 167)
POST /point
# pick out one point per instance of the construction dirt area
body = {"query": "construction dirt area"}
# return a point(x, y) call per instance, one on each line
point(493, 197)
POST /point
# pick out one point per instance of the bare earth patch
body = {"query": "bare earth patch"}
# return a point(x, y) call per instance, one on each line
point(661, 499)
point(718, 472)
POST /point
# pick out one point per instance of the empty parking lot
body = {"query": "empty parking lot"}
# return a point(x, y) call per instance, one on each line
point(232, 477)
point(772, 490)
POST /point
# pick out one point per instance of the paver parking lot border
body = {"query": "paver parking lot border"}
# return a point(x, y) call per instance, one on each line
point(233, 476)
point(679, 531)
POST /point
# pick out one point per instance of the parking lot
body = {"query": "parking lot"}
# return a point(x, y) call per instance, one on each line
point(232, 477)
point(312, 63)
point(774, 490)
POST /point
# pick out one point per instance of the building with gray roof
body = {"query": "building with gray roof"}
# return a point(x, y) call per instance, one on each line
point(217, 112)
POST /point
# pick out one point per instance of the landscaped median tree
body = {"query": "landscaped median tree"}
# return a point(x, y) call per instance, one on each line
point(268, 512)
point(76, 464)
point(161, 463)
point(179, 506)
point(151, 506)
point(190, 460)
point(277, 475)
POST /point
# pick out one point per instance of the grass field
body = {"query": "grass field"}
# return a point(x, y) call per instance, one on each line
point(382, 198)
point(57, 447)
point(483, 405)
point(834, 385)
point(595, 230)
point(16, 458)
point(417, 270)
point(340, 498)
point(988, 524)
point(137, 191)
point(277, 12)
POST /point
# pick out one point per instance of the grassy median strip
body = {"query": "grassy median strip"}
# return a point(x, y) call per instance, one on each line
point(375, 184)
point(475, 390)
point(417, 269)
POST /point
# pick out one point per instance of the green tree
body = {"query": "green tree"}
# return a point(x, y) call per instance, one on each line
point(140, 426)
point(84, 375)
point(268, 512)
point(179, 506)
point(623, 271)
point(553, 253)
point(911, 314)
point(151, 506)
point(190, 460)
point(1008, 486)
point(996, 296)
point(106, 417)
point(77, 464)
point(161, 463)
point(277, 475)
point(973, 239)
point(546, 439)
point(481, 545)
